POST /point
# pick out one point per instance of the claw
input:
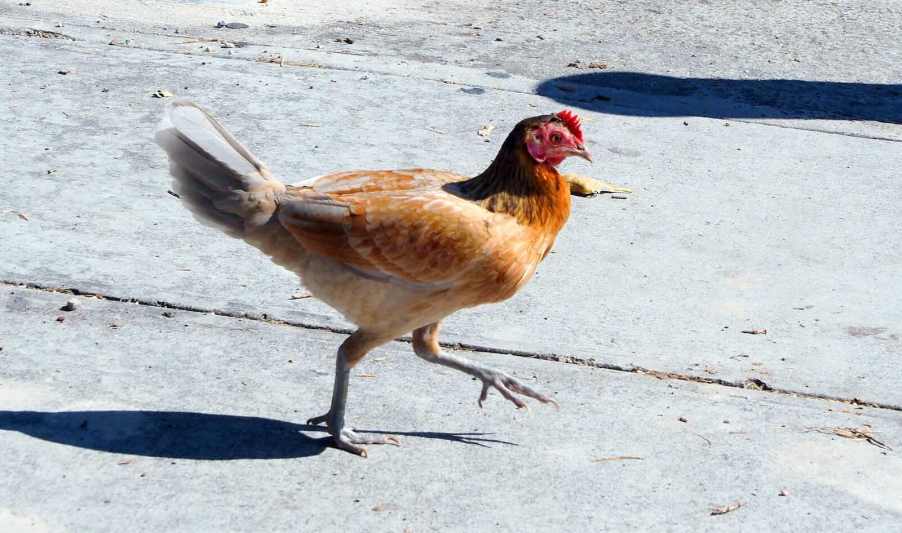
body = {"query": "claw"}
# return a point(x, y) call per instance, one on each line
point(508, 387)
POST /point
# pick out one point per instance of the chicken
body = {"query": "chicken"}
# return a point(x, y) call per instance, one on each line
point(393, 251)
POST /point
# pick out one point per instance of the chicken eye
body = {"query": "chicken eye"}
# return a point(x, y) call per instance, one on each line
point(555, 138)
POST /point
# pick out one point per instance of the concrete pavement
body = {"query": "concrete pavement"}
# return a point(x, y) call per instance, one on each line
point(757, 205)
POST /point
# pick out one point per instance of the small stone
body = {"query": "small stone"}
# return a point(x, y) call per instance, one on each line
point(70, 305)
point(60, 318)
point(168, 314)
point(682, 419)
point(783, 492)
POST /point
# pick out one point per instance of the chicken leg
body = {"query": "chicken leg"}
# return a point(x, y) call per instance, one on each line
point(350, 352)
point(425, 345)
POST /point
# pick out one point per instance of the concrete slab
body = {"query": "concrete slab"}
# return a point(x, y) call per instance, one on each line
point(792, 59)
point(733, 226)
point(762, 152)
point(121, 418)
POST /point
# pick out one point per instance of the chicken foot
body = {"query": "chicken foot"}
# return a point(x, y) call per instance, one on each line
point(426, 346)
point(349, 353)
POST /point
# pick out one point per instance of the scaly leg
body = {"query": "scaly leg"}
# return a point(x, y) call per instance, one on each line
point(350, 352)
point(425, 345)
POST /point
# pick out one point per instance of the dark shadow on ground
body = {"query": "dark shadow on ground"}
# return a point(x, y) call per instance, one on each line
point(657, 95)
point(181, 435)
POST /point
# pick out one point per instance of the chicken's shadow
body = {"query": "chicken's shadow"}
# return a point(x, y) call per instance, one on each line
point(186, 435)
point(657, 95)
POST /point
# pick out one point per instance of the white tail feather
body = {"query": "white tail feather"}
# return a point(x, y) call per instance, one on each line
point(217, 178)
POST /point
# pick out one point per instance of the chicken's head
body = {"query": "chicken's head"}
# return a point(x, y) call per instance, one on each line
point(552, 138)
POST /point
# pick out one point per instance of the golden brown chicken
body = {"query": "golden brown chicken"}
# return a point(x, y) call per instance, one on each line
point(393, 251)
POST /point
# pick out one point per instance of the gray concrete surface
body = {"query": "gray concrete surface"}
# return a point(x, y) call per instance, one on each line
point(763, 156)
point(194, 422)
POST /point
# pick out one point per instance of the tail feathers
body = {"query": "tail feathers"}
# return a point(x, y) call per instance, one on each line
point(216, 177)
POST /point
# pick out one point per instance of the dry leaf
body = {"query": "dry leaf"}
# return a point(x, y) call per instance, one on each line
point(586, 186)
point(724, 509)
point(486, 130)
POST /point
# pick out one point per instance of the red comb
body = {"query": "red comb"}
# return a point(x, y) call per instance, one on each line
point(571, 120)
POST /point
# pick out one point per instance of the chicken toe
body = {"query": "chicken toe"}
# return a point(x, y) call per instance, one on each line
point(351, 441)
point(509, 387)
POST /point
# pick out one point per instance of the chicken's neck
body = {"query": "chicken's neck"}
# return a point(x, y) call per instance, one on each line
point(534, 193)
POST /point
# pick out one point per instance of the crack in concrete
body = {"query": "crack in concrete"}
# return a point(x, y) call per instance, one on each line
point(750, 384)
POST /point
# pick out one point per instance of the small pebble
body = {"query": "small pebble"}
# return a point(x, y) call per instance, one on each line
point(682, 419)
point(783, 492)
point(70, 305)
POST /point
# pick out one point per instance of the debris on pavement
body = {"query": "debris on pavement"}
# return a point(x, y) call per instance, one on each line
point(70, 305)
point(755, 331)
point(617, 458)
point(346, 40)
point(783, 492)
point(231, 25)
point(865, 433)
point(46, 34)
point(486, 130)
point(724, 509)
point(161, 93)
point(683, 419)
point(586, 186)
point(756, 384)
point(593, 65)
point(380, 507)
point(300, 295)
